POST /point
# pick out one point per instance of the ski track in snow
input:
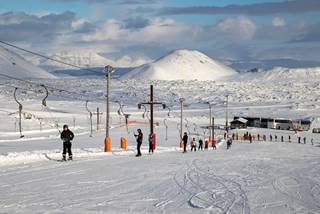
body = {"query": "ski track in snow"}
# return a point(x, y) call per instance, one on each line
point(265, 177)
point(219, 181)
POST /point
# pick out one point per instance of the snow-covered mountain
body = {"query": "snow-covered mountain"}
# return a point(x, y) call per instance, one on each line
point(88, 59)
point(14, 65)
point(281, 74)
point(182, 65)
point(81, 59)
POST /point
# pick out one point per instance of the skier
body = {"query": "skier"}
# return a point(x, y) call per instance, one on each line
point(250, 138)
point(304, 140)
point(258, 137)
point(270, 137)
point(206, 144)
point(289, 139)
point(281, 138)
point(185, 142)
point(66, 136)
point(150, 143)
point(139, 138)
point(200, 144)
point(229, 143)
point(299, 139)
point(276, 138)
point(193, 145)
point(214, 144)
point(312, 141)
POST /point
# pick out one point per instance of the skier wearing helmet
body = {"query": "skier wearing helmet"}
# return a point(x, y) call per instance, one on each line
point(66, 137)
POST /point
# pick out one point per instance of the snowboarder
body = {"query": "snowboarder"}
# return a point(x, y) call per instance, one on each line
point(200, 144)
point(229, 143)
point(139, 138)
point(150, 143)
point(66, 137)
point(193, 145)
point(185, 142)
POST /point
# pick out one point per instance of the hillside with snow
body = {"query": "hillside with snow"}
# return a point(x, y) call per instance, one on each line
point(14, 65)
point(88, 59)
point(182, 65)
point(281, 74)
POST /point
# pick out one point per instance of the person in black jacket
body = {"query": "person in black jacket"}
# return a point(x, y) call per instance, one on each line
point(139, 138)
point(185, 142)
point(66, 137)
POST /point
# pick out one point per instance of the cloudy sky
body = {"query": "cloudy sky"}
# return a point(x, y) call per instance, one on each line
point(245, 30)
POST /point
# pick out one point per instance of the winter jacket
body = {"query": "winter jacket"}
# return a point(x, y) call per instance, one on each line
point(185, 139)
point(67, 136)
point(139, 137)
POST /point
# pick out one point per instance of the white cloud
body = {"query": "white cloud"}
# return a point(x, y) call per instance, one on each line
point(159, 30)
point(237, 28)
point(278, 22)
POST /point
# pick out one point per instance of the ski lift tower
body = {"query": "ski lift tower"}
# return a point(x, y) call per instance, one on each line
point(151, 103)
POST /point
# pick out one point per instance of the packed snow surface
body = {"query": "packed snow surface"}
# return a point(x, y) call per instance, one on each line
point(262, 177)
point(14, 65)
point(182, 64)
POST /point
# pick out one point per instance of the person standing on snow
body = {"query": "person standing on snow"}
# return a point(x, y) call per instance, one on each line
point(185, 142)
point(66, 137)
point(150, 143)
point(200, 144)
point(229, 143)
point(250, 138)
point(139, 138)
point(206, 144)
point(193, 145)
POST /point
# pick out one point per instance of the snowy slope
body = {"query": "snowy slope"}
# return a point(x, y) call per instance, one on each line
point(16, 66)
point(182, 65)
point(282, 74)
point(88, 59)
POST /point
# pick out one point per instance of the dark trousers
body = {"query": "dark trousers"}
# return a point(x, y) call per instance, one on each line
point(139, 148)
point(67, 148)
point(150, 147)
point(184, 146)
point(200, 146)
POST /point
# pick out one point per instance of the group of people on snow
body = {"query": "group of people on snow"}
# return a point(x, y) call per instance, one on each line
point(67, 137)
point(272, 137)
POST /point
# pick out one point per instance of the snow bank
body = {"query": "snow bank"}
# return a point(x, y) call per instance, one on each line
point(182, 65)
